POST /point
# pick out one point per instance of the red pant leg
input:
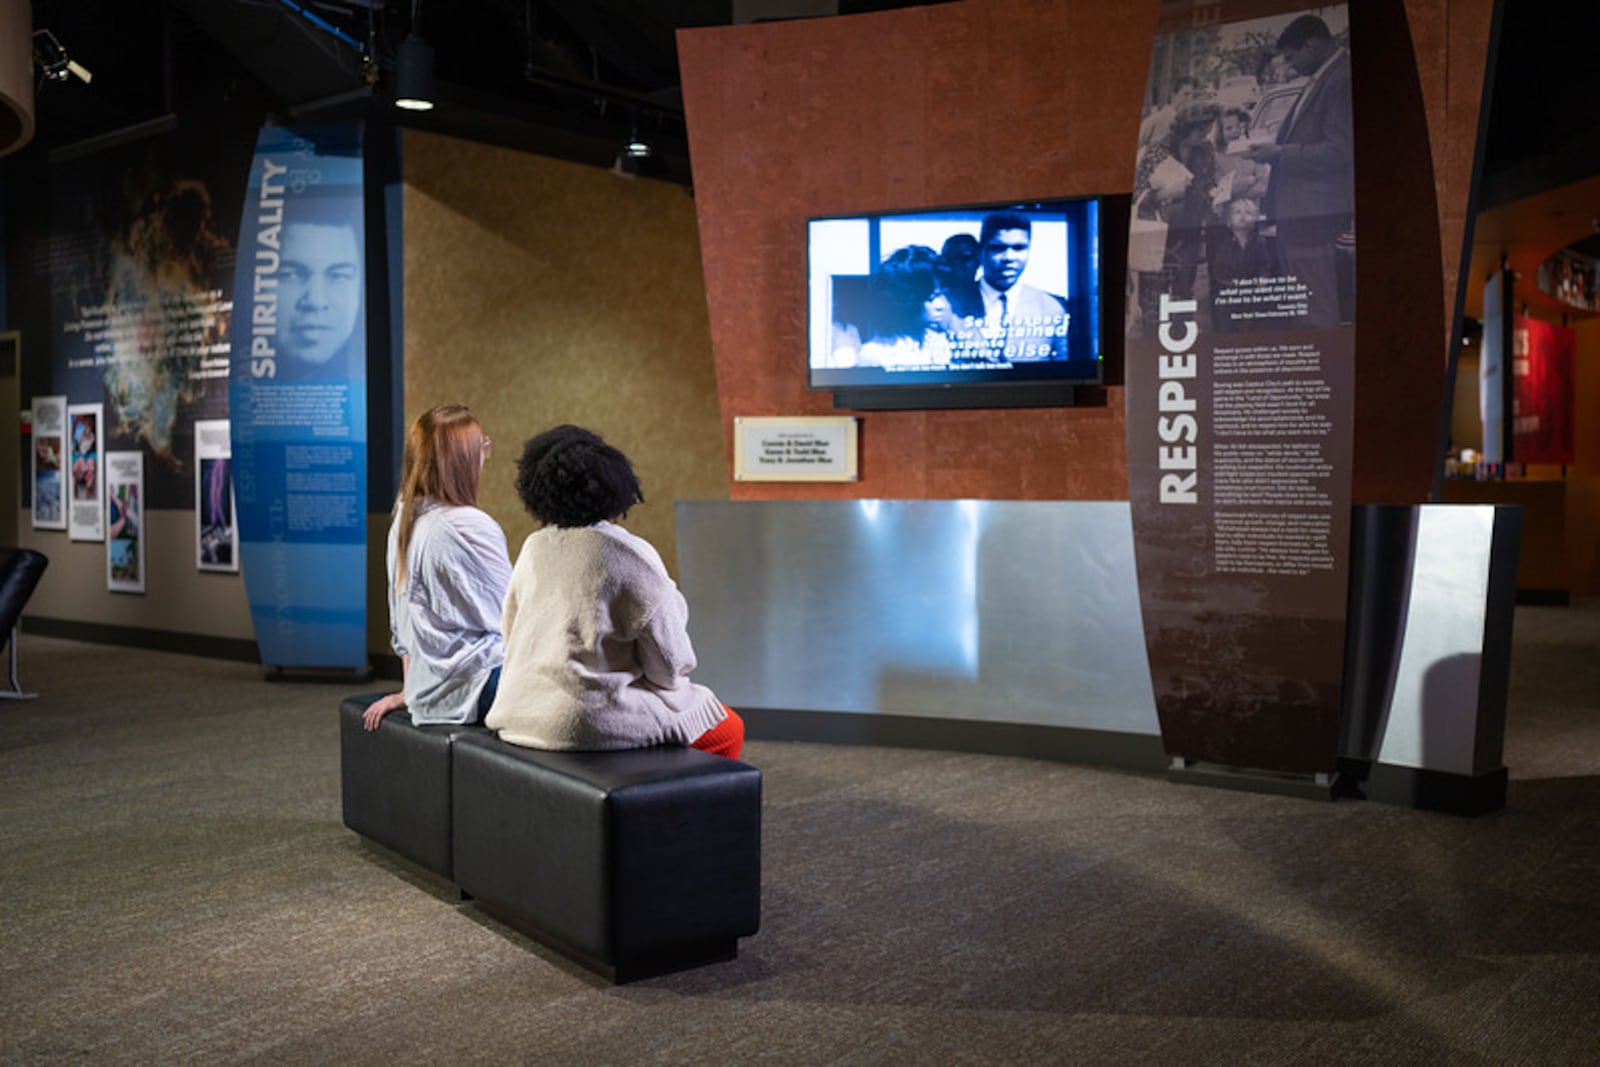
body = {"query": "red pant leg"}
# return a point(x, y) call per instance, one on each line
point(724, 739)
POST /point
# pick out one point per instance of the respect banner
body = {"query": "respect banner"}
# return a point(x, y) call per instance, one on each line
point(1240, 380)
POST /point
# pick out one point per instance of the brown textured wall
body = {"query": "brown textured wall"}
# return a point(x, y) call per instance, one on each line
point(1000, 99)
point(945, 104)
point(1399, 285)
point(1419, 69)
point(1452, 48)
point(539, 292)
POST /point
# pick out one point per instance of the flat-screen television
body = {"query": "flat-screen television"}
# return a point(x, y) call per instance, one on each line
point(982, 305)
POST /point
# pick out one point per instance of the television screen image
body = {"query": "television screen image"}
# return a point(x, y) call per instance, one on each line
point(980, 295)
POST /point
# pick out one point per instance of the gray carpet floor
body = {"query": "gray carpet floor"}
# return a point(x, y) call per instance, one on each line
point(178, 888)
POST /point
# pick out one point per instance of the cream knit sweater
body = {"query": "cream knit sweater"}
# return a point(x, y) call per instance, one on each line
point(597, 647)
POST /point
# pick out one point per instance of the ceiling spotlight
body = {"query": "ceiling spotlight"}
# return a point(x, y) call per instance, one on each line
point(413, 75)
point(625, 165)
point(636, 157)
point(54, 63)
point(636, 154)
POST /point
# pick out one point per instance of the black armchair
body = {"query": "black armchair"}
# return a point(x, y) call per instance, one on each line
point(20, 570)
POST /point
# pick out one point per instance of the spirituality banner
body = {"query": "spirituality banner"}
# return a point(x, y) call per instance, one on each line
point(1240, 380)
point(297, 397)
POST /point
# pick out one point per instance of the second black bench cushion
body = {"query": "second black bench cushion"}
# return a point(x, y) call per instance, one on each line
point(618, 856)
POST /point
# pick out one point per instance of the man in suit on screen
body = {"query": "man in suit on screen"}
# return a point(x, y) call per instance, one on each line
point(1021, 324)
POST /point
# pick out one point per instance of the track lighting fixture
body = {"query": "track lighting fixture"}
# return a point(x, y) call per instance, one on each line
point(54, 63)
point(413, 74)
point(635, 155)
point(414, 67)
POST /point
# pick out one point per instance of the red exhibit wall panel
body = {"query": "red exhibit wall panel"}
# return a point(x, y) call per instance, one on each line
point(1542, 391)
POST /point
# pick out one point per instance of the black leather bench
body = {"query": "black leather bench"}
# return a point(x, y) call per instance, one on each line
point(632, 863)
point(394, 783)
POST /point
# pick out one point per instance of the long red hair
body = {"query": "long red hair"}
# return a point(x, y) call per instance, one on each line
point(443, 457)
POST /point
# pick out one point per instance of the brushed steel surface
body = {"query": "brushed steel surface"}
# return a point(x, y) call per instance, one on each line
point(1432, 716)
point(1003, 611)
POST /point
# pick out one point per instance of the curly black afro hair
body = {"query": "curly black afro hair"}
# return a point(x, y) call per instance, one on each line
point(569, 476)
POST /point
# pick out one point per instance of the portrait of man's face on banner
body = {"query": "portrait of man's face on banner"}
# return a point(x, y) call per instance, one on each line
point(320, 288)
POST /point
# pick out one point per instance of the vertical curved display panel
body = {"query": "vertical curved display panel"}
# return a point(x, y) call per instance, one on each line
point(297, 397)
point(1240, 381)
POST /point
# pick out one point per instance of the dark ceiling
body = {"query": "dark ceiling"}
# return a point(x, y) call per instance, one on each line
point(573, 78)
point(1544, 127)
point(567, 78)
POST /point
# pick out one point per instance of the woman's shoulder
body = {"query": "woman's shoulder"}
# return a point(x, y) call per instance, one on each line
point(464, 523)
point(617, 538)
point(569, 543)
point(462, 516)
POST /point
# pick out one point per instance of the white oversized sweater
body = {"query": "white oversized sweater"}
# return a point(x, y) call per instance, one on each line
point(597, 647)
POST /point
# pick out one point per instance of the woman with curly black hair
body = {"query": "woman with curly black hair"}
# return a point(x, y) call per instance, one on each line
point(597, 642)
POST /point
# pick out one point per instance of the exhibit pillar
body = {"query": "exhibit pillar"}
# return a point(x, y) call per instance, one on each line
point(1240, 384)
point(298, 400)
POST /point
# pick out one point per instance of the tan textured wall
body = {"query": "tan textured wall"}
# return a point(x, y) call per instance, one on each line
point(539, 292)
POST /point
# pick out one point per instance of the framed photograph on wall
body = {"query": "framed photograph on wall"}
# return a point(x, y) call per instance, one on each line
point(216, 521)
point(124, 522)
point(49, 462)
point(86, 505)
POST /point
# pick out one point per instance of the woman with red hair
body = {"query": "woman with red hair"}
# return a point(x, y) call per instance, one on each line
point(448, 571)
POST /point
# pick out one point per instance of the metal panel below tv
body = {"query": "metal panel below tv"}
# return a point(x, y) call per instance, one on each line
point(1014, 627)
point(964, 611)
